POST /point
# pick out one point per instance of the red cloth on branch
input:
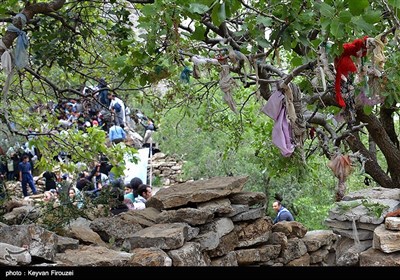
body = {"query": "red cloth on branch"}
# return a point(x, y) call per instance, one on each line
point(344, 64)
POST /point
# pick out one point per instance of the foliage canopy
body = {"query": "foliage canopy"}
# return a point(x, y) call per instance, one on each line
point(267, 46)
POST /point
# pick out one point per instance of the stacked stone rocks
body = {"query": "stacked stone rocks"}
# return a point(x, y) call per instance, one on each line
point(214, 223)
point(385, 249)
point(167, 168)
point(203, 223)
point(358, 220)
point(14, 188)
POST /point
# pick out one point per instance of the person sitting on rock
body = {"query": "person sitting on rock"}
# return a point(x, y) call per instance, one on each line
point(144, 193)
point(282, 213)
point(75, 197)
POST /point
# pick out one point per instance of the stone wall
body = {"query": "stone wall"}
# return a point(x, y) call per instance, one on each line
point(166, 169)
point(366, 237)
point(201, 223)
point(213, 222)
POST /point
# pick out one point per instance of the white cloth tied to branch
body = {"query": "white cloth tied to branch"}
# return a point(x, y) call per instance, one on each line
point(21, 55)
point(197, 60)
point(6, 64)
point(6, 60)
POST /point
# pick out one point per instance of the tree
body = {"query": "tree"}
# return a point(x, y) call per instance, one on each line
point(252, 50)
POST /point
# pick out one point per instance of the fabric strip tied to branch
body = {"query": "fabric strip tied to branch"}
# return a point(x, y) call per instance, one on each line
point(6, 60)
point(21, 55)
point(227, 85)
point(275, 109)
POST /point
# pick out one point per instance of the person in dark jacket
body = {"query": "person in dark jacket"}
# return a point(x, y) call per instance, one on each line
point(117, 198)
point(25, 176)
point(51, 180)
point(103, 92)
point(134, 184)
point(282, 213)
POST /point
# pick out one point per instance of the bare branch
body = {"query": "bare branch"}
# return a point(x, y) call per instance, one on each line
point(298, 70)
point(349, 132)
point(320, 119)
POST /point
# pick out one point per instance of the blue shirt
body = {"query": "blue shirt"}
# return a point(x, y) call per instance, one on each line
point(25, 167)
point(283, 215)
point(116, 132)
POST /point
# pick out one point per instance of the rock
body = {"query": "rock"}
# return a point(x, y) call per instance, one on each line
point(187, 255)
point(40, 242)
point(150, 257)
point(162, 236)
point(373, 257)
point(387, 241)
point(94, 256)
point(13, 255)
point(196, 192)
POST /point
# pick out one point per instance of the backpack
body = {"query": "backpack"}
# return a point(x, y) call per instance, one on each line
point(117, 107)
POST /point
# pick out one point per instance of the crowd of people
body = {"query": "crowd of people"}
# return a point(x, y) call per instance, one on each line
point(96, 186)
point(101, 108)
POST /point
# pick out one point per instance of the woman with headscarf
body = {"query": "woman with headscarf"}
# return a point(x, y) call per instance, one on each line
point(75, 197)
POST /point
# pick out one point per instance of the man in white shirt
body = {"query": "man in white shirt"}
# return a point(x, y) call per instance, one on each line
point(117, 106)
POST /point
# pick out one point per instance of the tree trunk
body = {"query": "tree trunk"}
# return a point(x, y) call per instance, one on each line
point(387, 147)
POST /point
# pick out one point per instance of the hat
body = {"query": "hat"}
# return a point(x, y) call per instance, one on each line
point(95, 123)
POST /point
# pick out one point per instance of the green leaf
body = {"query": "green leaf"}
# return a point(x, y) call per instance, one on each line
point(228, 11)
point(306, 16)
point(304, 41)
point(198, 33)
point(394, 3)
point(222, 12)
point(396, 96)
point(363, 25)
point(215, 16)
point(357, 7)
point(234, 5)
point(198, 8)
point(119, 61)
point(372, 16)
point(367, 109)
point(240, 32)
point(266, 21)
point(263, 42)
point(287, 41)
point(337, 28)
point(325, 23)
point(143, 79)
point(148, 10)
point(327, 11)
point(345, 16)
point(296, 61)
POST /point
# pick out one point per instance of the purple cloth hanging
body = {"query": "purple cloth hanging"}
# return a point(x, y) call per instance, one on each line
point(276, 110)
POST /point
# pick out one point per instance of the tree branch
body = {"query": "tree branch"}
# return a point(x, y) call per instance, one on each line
point(371, 166)
point(382, 139)
point(30, 11)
